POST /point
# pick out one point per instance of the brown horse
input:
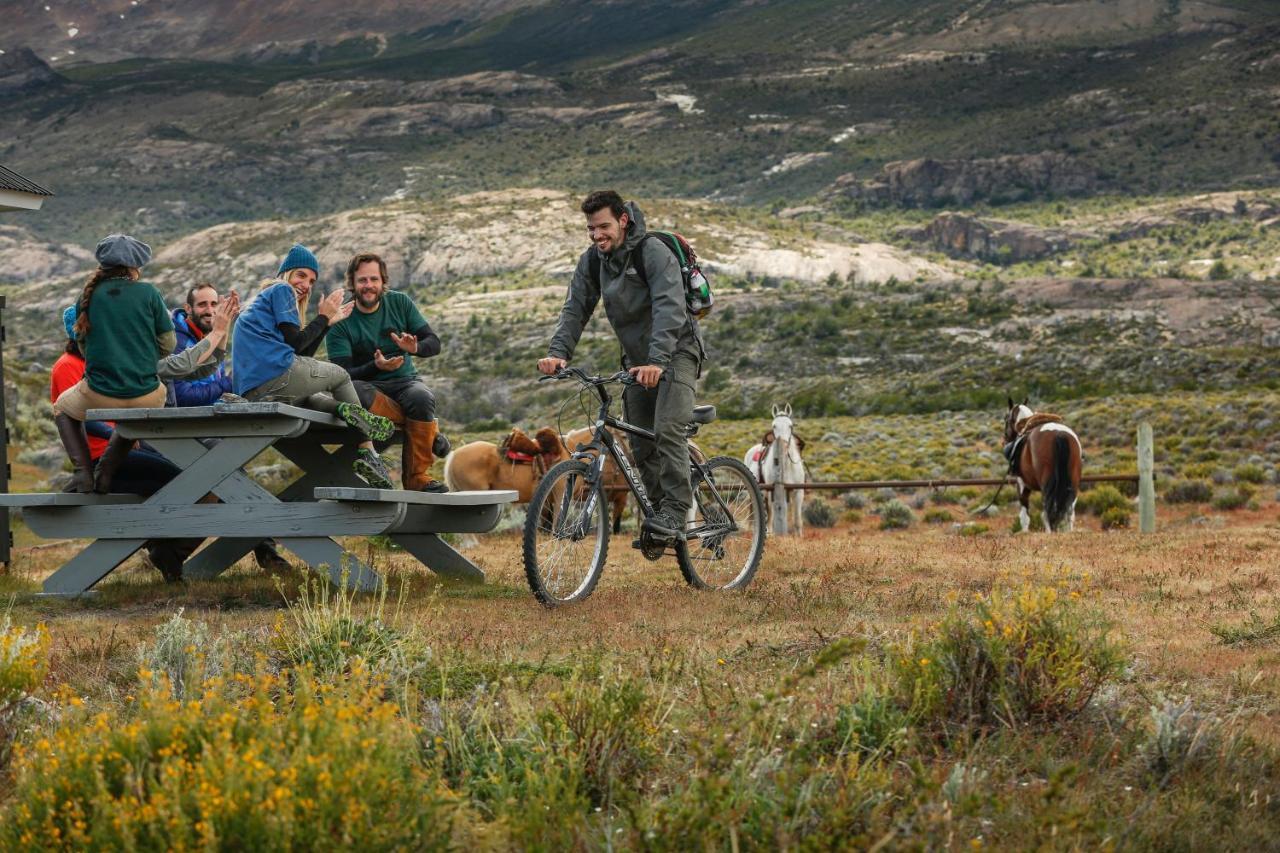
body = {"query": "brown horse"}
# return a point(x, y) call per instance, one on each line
point(481, 465)
point(1045, 455)
point(613, 479)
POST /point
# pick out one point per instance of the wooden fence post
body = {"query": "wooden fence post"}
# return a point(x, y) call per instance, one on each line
point(1146, 479)
point(779, 509)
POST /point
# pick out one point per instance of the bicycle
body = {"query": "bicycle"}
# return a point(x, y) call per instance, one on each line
point(566, 530)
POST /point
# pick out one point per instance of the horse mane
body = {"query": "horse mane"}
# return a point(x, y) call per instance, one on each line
point(1038, 419)
point(548, 441)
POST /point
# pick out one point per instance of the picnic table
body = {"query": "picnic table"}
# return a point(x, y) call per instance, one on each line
point(212, 444)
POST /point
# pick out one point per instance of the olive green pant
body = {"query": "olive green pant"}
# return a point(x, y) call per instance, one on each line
point(666, 410)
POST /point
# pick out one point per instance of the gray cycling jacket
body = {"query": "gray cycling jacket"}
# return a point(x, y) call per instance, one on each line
point(651, 321)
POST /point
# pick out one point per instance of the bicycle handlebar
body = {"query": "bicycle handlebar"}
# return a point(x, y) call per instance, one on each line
point(623, 377)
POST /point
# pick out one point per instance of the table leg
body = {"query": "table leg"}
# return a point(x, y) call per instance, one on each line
point(91, 565)
point(437, 555)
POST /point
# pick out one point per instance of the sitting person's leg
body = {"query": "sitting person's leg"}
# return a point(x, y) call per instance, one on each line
point(327, 387)
point(417, 402)
point(69, 416)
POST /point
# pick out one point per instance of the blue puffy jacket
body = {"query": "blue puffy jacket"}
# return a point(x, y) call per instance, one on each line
point(196, 392)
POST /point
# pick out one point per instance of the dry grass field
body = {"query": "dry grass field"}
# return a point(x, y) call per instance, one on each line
point(1134, 703)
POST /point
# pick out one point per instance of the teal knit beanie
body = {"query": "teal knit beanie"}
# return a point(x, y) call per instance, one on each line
point(299, 257)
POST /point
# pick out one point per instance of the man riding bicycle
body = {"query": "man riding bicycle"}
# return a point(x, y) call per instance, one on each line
point(661, 346)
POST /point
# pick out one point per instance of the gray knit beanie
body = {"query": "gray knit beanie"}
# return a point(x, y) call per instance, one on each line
point(121, 250)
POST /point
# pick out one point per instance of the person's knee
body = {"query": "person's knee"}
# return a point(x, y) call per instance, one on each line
point(365, 392)
point(418, 403)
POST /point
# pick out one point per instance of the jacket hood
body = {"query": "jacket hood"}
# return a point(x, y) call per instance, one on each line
point(635, 227)
point(181, 325)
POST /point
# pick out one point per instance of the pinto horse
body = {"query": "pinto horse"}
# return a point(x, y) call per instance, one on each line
point(776, 459)
point(1045, 455)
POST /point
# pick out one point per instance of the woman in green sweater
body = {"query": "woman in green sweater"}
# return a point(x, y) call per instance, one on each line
point(124, 329)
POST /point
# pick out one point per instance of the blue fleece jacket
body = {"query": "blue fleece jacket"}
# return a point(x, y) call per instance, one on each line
point(196, 392)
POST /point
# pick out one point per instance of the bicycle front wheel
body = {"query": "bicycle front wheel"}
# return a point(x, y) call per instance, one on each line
point(725, 538)
point(566, 535)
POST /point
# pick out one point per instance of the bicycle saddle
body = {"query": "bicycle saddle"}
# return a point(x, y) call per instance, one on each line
point(703, 414)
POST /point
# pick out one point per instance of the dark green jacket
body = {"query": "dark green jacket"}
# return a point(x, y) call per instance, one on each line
point(651, 322)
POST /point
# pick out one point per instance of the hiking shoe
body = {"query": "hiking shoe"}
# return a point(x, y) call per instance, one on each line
point(663, 526)
point(435, 487)
point(375, 427)
point(270, 560)
point(370, 468)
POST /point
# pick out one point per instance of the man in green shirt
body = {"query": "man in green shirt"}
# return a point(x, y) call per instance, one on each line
point(377, 345)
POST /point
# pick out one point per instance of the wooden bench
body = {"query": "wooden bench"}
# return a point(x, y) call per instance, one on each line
point(212, 444)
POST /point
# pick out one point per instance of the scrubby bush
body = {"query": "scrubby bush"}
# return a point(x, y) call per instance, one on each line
point(1014, 658)
point(1231, 499)
point(1189, 492)
point(937, 516)
point(1250, 473)
point(1116, 518)
point(895, 515)
point(1102, 498)
point(819, 513)
point(851, 516)
point(854, 500)
point(1180, 737)
point(874, 722)
point(973, 528)
point(24, 661)
point(261, 762)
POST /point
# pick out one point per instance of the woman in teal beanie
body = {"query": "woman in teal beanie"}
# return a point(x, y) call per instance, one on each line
point(272, 357)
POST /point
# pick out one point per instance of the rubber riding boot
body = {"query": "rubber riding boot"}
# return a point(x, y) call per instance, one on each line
point(385, 407)
point(419, 456)
point(110, 461)
point(76, 443)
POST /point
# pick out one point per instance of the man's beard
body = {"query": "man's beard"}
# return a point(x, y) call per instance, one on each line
point(204, 324)
point(369, 301)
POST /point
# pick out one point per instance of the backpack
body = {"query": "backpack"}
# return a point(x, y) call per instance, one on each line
point(697, 290)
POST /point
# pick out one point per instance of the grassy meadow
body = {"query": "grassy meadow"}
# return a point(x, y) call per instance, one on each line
point(905, 675)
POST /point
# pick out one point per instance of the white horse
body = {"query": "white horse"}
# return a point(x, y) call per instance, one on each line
point(777, 460)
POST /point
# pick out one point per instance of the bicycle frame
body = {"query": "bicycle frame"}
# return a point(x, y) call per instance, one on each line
point(602, 442)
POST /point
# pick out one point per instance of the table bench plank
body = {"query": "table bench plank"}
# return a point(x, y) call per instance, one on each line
point(34, 499)
point(472, 498)
point(170, 521)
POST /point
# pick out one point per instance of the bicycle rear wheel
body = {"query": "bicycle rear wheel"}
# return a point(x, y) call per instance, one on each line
point(566, 535)
point(725, 538)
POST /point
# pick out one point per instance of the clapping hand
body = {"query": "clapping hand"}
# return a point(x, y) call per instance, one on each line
point(406, 342)
point(384, 363)
point(333, 309)
point(226, 312)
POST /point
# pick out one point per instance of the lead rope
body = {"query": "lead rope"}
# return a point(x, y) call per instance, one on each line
point(1011, 472)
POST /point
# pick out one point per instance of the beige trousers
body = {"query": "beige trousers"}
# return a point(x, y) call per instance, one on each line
point(79, 398)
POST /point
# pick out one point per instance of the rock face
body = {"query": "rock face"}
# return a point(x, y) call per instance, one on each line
point(24, 258)
point(962, 236)
point(22, 71)
point(932, 183)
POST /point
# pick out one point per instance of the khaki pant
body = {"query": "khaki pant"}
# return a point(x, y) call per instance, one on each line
point(666, 410)
point(79, 398)
point(317, 385)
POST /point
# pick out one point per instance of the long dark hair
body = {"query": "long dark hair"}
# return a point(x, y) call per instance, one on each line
point(100, 275)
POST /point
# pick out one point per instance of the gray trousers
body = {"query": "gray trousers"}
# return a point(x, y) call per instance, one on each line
point(666, 410)
point(318, 385)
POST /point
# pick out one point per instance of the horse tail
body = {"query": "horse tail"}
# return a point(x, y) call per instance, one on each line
point(1059, 490)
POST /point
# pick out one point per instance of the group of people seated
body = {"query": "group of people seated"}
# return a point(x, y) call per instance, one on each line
point(125, 349)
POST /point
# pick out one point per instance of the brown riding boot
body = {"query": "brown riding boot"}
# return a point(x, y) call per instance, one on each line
point(419, 438)
point(110, 461)
point(386, 407)
point(71, 431)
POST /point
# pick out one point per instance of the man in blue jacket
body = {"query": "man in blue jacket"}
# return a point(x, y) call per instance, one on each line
point(192, 322)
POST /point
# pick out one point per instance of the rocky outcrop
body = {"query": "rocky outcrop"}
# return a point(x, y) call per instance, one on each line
point(25, 258)
point(21, 71)
point(962, 236)
point(933, 183)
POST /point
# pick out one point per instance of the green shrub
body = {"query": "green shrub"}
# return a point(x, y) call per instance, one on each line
point(1250, 473)
point(1180, 737)
point(937, 516)
point(874, 722)
point(1219, 271)
point(854, 500)
point(1116, 518)
point(1012, 659)
point(819, 513)
point(851, 516)
point(1189, 492)
point(24, 662)
point(973, 528)
point(1231, 499)
point(1102, 498)
point(895, 515)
